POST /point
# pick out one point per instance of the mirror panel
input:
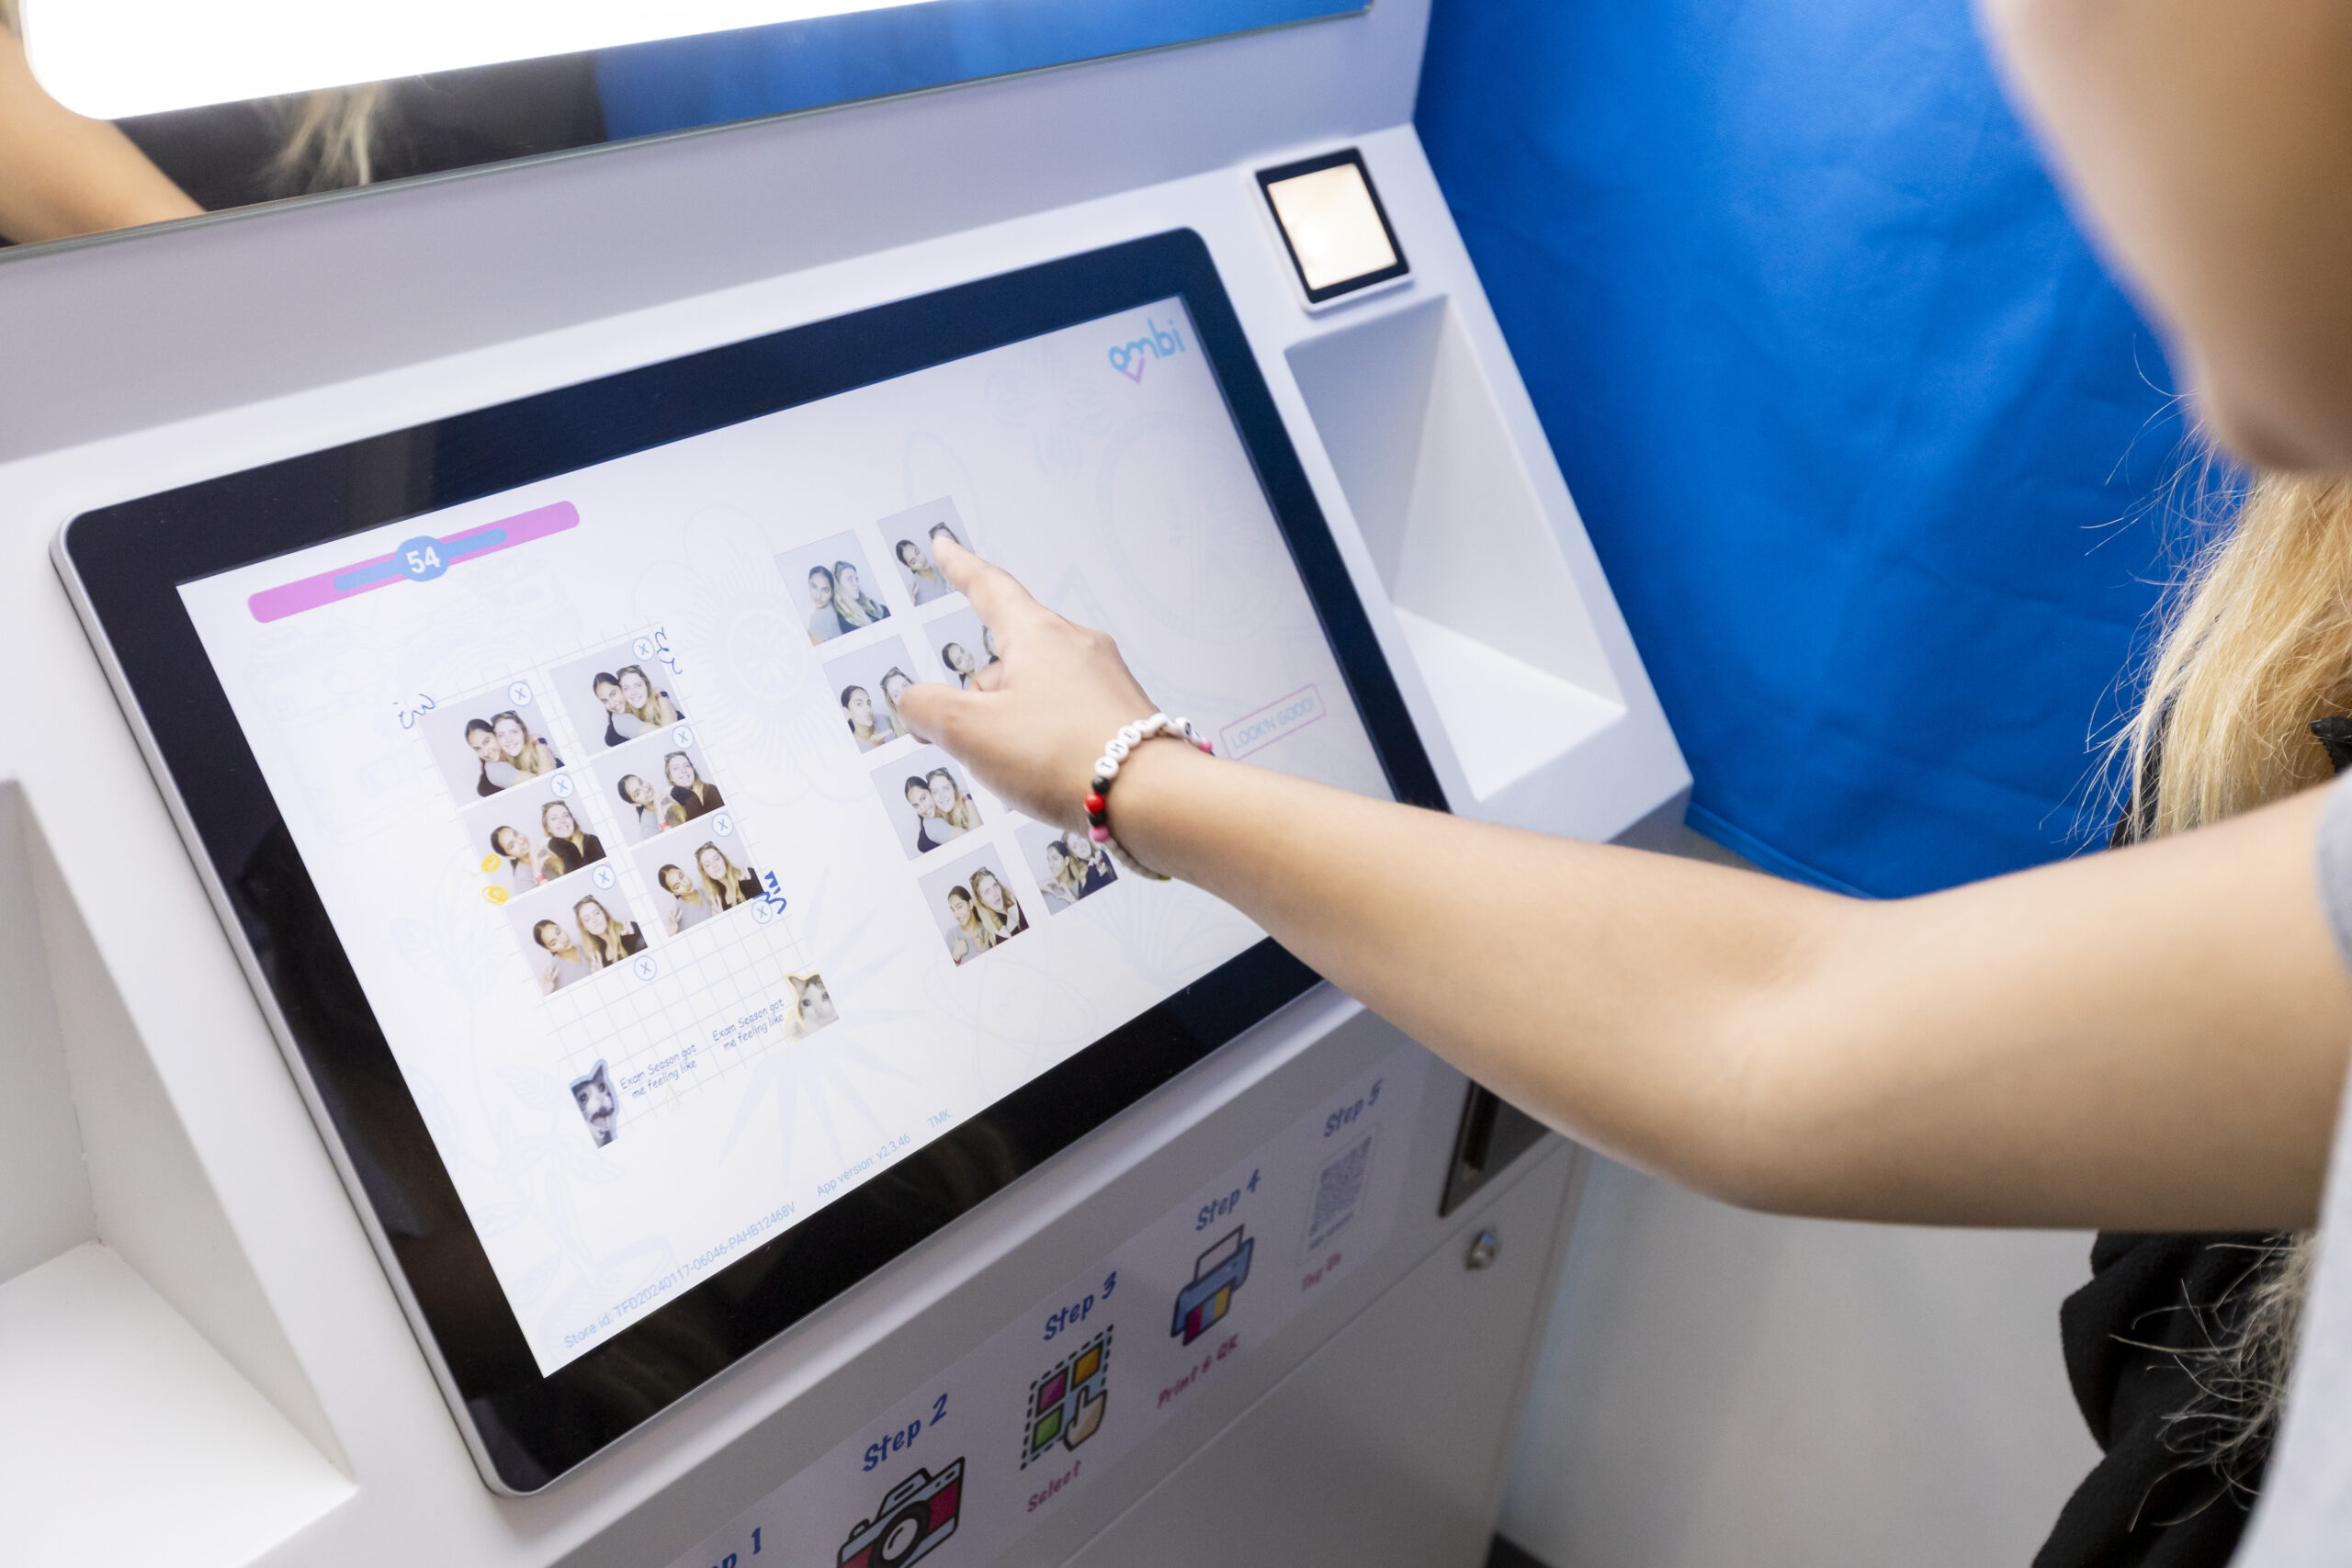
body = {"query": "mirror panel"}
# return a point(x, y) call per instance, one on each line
point(62, 174)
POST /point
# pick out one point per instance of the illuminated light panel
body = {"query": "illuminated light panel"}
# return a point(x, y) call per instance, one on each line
point(113, 59)
point(1332, 224)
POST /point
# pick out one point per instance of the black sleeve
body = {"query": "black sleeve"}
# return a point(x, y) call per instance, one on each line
point(2133, 1336)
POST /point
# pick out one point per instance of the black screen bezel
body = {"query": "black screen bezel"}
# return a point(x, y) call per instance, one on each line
point(1268, 179)
point(131, 558)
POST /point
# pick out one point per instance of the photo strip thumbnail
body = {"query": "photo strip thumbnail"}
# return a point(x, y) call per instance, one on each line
point(491, 741)
point(867, 682)
point(613, 696)
point(531, 835)
point(924, 796)
point(908, 537)
point(700, 874)
point(571, 932)
point(960, 647)
point(1068, 866)
point(661, 782)
point(973, 904)
point(828, 585)
point(812, 1006)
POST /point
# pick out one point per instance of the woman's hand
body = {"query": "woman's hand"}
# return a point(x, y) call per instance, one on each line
point(2150, 1040)
point(1033, 723)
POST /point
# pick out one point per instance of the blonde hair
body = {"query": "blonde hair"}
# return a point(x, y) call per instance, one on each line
point(995, 922)
point(330, 139)
point(330, 136)
point(964, 815)
point(1072, 875)
point(602, 951)
point(2257, 645)
point(535, 758)
point(659, 711)
point(726, 892)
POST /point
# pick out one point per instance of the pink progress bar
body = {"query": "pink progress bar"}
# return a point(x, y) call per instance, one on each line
point(420, 559)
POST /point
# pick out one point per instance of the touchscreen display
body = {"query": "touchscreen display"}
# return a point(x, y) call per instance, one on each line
point(677, 933)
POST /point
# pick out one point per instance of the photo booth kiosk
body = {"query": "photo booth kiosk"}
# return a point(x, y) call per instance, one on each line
point(517, 1059)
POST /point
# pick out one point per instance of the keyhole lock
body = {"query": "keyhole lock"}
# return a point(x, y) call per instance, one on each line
point(1483, 1248)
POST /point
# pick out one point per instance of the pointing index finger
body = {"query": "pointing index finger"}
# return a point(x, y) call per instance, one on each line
point(995, 593)
point(926, 706)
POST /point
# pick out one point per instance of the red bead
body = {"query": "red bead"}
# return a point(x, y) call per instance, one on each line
point(1093, 804)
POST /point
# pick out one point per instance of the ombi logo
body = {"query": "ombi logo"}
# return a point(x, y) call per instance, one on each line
point(1129, 359)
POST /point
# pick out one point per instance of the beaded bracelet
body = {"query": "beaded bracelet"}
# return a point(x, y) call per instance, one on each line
point(1106, 770)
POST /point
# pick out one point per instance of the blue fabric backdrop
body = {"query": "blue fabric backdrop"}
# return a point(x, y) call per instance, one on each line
point(1853, 416)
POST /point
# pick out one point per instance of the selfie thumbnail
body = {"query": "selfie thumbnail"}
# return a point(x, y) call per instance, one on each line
point(830, 588)
point(912, 535)
point(699, 874)
point(867, 682)
point(490, 743)
point(658, 784)
point(928, 804)
point(568, 939)
point(974, 906)
point(1068, 866)
point(959, 646)
point(531, 835)
point(613, 696)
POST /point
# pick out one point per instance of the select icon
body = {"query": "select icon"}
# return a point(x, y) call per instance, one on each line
point(1067, 1404)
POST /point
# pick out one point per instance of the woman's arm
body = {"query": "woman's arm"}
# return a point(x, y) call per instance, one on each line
point(2150, 1038)
point(62, 174)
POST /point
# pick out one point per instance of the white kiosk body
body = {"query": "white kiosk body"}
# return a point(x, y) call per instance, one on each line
point(203, 1363)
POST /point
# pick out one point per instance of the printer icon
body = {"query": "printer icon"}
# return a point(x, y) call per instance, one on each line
point(1221, 1270)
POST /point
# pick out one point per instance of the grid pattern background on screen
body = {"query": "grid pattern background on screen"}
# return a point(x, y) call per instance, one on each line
point(679, 1008)
point(711, 1006)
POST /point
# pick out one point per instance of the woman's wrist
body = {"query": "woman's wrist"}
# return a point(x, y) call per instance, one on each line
point(1138, 807)
point(1129, 739)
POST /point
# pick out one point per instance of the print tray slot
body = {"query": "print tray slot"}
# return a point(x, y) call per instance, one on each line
point(140, 1355)
point(1489, 605)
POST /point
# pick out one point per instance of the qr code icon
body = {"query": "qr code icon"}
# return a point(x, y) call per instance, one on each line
point(1339, 1192)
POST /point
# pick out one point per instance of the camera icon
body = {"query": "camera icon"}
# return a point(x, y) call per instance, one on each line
point(916, 1515)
